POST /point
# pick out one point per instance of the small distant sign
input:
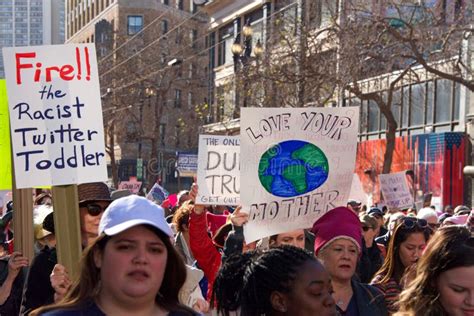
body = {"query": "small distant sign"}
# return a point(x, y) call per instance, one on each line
point(187, 164)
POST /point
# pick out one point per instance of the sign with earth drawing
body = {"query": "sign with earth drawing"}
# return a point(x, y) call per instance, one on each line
point(296, 165)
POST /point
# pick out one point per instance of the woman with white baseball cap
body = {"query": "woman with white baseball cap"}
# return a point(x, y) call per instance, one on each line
point(131, 269)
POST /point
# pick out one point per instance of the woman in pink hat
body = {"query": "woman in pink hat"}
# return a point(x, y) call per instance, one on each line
point(338, 244)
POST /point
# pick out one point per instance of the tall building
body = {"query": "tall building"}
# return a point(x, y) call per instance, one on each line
point(30, 23)
point(151, 69)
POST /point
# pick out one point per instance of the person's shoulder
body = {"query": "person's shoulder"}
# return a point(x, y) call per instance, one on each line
point(63, 312)
point(184, 313)
point(87, 310)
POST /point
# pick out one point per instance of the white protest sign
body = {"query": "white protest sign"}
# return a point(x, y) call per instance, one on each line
point(132, 186)
point(395, 191)
point(55, 115)
point(296, 164)
point(218, 173)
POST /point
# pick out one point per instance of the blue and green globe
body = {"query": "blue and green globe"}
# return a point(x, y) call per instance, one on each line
point(292, 168)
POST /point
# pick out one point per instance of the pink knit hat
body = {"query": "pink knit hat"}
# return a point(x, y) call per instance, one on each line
point(340, 222)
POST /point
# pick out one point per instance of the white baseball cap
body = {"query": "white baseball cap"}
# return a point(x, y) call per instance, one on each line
point(131, 211)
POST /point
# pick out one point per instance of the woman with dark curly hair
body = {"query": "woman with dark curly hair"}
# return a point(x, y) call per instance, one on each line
point(281, 281)
point(444, 282)
point(287, 281)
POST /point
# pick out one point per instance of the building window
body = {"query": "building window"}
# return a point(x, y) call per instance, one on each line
point(418, 101)
point(364, 116)
point(374, 114)
point(162, 134)
point(177, 98)
point(134, 24)
point(443, 100)
point(164, 27)
point(193, 37)
point(190, 71)
point(430, 103)
point(178, 37)
point(406, 106)
point(190, 99)
point(167, 2)
point(457, 101)
point(180, 4)
point(397, 105)
point(177, 134)
point(225, 41)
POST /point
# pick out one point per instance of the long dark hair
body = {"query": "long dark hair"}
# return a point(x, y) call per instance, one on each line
point(85, 288)
point(393, 266)
point(450, 247)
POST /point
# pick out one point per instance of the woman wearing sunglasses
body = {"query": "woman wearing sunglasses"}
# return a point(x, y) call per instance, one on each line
point(48, 281)
point(371, 258)
point(405, 248)
point(130, 269)
point(444, 283)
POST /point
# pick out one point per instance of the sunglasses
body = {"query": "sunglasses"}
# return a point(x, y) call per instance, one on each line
point(366, 228)
point(434, 226)
point(411, 222)
point(94, 209)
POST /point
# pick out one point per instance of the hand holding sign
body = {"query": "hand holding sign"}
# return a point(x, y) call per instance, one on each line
point(60, 281)
point(15, 263)
point(198, 209)
point(239, 218)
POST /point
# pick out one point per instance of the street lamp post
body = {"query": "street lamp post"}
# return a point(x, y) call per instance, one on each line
point(149, 92)
point(242, 57)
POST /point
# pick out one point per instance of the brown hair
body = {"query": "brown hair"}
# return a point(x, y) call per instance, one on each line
point(181, 216)
point(369, 221)
point(449, 248)
point(392, 266)
point(86, 287)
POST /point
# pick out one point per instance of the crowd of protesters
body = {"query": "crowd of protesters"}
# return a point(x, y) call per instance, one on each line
point(175, 257)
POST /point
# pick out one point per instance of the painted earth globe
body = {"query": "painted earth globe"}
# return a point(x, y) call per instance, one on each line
point(293, 168)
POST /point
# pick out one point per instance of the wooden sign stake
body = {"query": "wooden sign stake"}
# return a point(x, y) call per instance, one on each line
point(67, 227)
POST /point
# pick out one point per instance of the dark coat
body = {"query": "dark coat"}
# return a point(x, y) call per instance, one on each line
point(370, 300)
point(13, 302)
point(369, 263)
point(38, 290)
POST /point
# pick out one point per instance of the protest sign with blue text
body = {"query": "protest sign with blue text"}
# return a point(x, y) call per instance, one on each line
point(296, 165)
point(55, 115)
point(218, 170)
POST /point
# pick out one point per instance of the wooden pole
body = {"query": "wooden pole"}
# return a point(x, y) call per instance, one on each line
point(23, 221)
point(67, 227)
point(22, 218)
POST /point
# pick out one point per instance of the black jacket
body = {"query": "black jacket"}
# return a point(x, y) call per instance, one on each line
point(369, 263)
point(12, 304)
point(370, 300)
point(38, 290)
